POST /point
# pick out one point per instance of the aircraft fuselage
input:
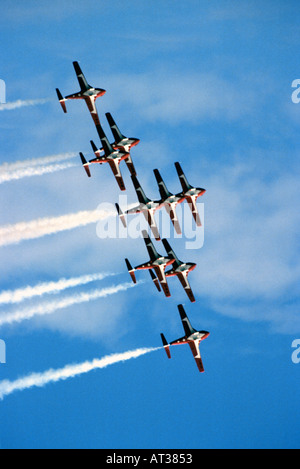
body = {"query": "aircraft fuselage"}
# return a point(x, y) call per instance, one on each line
point(182, 269)
point(92, 93)
point(126, 144)
point(194, 193)
point(174, 199)
point(198, 336)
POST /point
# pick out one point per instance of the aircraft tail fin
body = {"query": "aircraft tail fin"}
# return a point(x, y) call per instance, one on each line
point(121, 215)
point(61, 100)
point(155, 280)
point(166, 345)
point(131, 271)
point(85, 164)
point(164, 192)
point(118, 136)
point(183, 180)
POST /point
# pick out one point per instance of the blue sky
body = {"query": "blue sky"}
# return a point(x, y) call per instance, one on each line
point(208, 85)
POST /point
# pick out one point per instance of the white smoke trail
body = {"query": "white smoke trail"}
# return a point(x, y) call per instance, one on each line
point(21, 103)
point(71, 371)
point(35, 171)
point(14, 234)
point(22, 294)
point(35, 167)
point(44, 160)
point(53, 306)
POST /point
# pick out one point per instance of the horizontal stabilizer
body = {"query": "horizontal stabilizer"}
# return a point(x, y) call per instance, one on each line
point(85, 164)
point(121, 215)
point(61, 100)
point(155, 280)
point(131, 271)
point(166, 345)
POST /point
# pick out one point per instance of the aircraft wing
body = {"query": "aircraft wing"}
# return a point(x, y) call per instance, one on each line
point(139, 191)
point(174, 219)
point(118, 136)
point(91, 104)
point(186, 285)
point(160, 272)
point(151, 250)
point(196, 353)
point(164, 192)
point(130, 166)
point(155, 280)
point(115, 167)
point(105, 143)
point(183, 180)
point(84, 86)
point(193, 206)
point(188, 329)
point(152, 223)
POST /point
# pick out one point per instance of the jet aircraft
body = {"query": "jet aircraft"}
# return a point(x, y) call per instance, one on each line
point(169, 200)
point(111, 156)
point(190, 194)
point(88, 93)
point(121, 142)
point(180, 270)
point(157, 262)
point(147, 207)
point(192, 337)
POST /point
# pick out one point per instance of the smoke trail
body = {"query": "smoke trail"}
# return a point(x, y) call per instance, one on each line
point(22, 294)
point(53, 306)
point(14, 234)
point(71, 371)
point(21, 103)
point(35, 171)
point(35, 167)
point(44, 160)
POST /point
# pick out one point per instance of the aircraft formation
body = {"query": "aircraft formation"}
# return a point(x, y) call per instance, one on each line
point(113, 154)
